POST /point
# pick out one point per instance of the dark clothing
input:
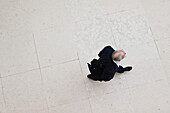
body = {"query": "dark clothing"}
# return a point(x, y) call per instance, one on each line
point(104, 68)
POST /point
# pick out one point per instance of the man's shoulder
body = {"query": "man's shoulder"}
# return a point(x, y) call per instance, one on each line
point(108, 47)
point(106, 51)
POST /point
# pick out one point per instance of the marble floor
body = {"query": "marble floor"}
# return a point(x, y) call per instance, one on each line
point(45, 46)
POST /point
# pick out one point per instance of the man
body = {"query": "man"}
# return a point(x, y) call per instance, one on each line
point(105, 68)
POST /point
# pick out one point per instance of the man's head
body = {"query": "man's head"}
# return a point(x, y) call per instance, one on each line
point(118, 55)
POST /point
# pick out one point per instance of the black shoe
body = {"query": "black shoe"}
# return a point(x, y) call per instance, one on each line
point(128, 68)
point(91, 77)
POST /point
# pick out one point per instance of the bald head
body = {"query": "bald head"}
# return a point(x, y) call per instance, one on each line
point(118, 55)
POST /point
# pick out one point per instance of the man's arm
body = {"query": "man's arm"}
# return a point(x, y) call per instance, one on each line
point(122, 69)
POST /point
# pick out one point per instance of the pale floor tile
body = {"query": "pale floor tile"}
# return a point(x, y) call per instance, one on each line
point(125, 111)
point(17, 53)
point(27, 111)
point(38, 111)
point(75, 107)
point(64, 83)
point(2, 101)
point(44, 17)
point(114, 102)
point(28, 16)
point(164, 51)
point(13, 19)
point(24, 93)
point(168, 81)
point(158, 16)
point(4, 2)
point(114, 6)
point(81, 10)
point(146, 64)
point(92, 36)
point(151, 98)
point(84, 10)
point(55, 46)
point(101, 88)
point(130, 27)
point(151, 2)
point(42, 111)
point(132, 33)
point(145, 72)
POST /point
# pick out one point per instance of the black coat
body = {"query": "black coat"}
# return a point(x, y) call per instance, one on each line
point(106, 67)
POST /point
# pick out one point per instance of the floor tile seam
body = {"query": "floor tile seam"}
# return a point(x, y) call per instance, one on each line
point(85, 83)
point(3, 94)
point(42, 80)
point(47, 66)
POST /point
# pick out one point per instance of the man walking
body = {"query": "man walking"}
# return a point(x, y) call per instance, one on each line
point(105, 68)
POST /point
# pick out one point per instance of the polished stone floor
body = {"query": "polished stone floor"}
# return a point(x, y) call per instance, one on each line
point(45, 46)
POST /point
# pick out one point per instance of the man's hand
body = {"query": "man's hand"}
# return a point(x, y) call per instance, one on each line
point(128, 68)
